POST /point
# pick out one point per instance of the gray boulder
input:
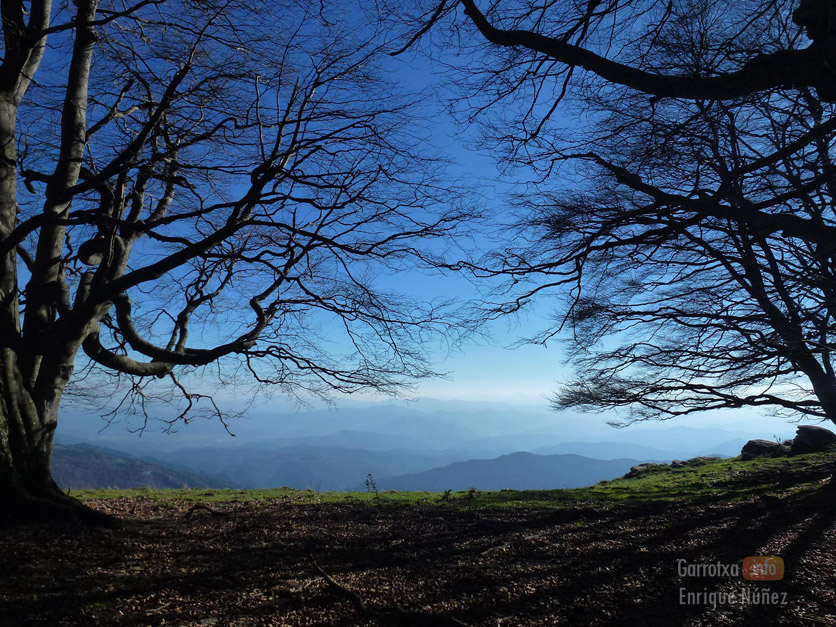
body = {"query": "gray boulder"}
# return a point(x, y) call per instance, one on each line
point(641, 469)
point(694, 461)
point(810, 439)
point(699, 461)
point(762, 448)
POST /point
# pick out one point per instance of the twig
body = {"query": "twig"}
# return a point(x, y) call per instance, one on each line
point(198, 506)
point(390, 616)
point(159, 609)
point(353, 597)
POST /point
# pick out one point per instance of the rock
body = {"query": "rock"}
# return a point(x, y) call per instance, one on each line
point(641, 469)
point(699, 461)
point(678, 463)
point(762, 448)
point(810, 439)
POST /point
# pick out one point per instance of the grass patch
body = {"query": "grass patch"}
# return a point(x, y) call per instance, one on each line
point(290, 495)
point(718, 480)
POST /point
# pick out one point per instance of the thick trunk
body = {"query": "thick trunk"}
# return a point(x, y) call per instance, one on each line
point(825, 389)
point(30, 393)
point(27, 489)
point(47, 274)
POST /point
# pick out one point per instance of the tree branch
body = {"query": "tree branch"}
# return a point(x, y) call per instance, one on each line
point(121, 363)
point(389, 616)
point(782, 69)
point(788, 224)
point(184, 356)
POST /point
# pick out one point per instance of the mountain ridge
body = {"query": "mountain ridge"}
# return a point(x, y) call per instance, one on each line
point(514, 471)
point(84, 466)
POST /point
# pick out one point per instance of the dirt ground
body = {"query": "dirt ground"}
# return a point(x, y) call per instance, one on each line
point(255, 564)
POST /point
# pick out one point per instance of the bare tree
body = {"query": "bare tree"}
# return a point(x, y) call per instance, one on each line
point(519, 61)
point(687, 220)
point(202, 182)
point(620, 42)
point(674, 310)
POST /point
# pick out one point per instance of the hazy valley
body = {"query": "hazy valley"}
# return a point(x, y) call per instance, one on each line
point(431, 446)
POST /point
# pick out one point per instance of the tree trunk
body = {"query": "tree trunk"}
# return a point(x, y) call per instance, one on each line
point(28, 492)
point(824, 388)
point(34, 371)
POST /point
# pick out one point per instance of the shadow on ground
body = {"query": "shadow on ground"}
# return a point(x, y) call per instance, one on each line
point(253, 563)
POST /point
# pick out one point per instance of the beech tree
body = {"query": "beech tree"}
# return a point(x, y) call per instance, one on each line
point(186, 183)
point(672, 309)
point(686, 215)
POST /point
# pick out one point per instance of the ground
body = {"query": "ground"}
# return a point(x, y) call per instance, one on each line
point(607, 555)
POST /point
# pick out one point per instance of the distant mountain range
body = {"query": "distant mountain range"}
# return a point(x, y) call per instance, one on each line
point(468, 435)
point(301, 466)
point(613, 450)
point(336, 450)
point(342, 460)
point(518, 471)
point(77, 467)
point(83, 466)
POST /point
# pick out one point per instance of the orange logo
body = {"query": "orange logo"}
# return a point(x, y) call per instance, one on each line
point(763, 568)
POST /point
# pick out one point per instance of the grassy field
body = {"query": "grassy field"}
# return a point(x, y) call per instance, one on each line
point(719, 479)
point(610, 554)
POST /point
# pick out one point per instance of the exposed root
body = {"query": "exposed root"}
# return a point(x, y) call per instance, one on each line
point(201, 506)
point(389, 616)
point(54, 507)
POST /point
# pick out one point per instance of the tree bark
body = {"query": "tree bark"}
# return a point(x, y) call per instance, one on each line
point(29, 403)
point(28, 492)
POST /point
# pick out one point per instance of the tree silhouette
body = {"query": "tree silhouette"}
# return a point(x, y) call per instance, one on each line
point(202, 182)
point(686, 215)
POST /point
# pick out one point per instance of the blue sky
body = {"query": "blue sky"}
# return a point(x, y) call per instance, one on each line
point(484, 369)
point(489, 370)
point(500, 370)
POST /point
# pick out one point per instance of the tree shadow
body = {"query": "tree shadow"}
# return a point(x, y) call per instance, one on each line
point(253, 564)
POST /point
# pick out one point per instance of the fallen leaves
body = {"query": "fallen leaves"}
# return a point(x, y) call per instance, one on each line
point(242, 564)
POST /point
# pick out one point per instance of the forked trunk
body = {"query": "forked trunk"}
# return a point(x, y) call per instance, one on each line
point(34, 365)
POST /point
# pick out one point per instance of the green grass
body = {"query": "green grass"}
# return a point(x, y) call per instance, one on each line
point(720, 480)
point(203, 495)
point(728, 479)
